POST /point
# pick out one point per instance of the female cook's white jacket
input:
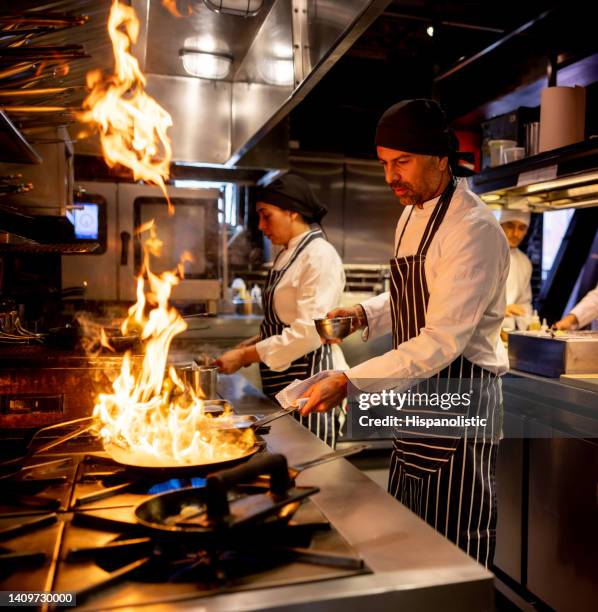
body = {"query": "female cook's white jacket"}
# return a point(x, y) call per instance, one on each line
point(466, 270)
point(311, 287)
point(587, 309)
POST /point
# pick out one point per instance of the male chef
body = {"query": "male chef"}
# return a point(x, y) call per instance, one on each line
point(445, 310)
point(515, 224)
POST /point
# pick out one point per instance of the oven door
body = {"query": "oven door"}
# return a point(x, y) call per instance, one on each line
point(193, 228)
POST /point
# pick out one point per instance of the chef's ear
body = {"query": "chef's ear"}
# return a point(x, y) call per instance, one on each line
point(443, 163)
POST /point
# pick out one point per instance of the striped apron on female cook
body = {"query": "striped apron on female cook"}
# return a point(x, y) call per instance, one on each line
point(324, 425)
point(448, 481)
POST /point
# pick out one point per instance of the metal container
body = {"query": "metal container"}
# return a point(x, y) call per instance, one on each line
point(551, 355)
point(207, 382)
point(532, 138)
point(202, 379)
point(336, 328)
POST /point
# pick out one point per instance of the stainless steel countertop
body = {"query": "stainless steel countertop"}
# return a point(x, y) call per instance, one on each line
point(414, 568)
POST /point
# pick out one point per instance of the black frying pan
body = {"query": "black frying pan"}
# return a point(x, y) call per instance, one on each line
point(223, 510)
point(147, 471)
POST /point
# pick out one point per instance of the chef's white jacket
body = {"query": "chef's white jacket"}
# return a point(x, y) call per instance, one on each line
point(587, 309)
point(311, 287)
point(466, 267)
point(519, 288)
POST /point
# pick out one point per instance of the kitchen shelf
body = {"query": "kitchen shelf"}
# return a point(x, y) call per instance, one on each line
point(577, 159)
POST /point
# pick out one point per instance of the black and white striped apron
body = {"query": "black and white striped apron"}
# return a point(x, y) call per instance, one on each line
point(448, 481)
point(323, 425)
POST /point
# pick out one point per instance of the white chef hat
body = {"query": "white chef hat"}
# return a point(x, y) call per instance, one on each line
point(514, 215)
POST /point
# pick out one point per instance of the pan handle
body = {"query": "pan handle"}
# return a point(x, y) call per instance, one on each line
point(220, 483)
point(280, 413)
point(337, 454)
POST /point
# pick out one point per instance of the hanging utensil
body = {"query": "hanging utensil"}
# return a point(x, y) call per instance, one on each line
point(39, 19)
point(26, 450)
point(23, 54)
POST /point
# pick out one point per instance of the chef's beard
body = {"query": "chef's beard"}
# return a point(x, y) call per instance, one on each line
point(411, 198)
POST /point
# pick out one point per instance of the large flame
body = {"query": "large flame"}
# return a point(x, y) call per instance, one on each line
point(152, 417)
point(131, 124)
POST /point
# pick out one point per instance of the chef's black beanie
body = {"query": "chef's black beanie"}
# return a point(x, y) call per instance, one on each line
point(291, 192)
point(415, 126)
point(420, 126)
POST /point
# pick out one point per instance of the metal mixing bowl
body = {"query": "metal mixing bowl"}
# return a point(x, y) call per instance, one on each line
point(336, 328)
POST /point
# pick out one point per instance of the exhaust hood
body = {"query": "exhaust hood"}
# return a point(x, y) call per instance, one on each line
point(553, 180)
point(268, 60)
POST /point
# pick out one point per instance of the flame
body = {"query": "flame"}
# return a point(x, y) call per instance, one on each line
point(152, 417)
point(131, 124)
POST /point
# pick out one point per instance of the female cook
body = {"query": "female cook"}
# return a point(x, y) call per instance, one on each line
point(306, 281)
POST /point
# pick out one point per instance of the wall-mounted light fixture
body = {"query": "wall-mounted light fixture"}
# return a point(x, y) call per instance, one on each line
point(206, 65)
point(239, 8)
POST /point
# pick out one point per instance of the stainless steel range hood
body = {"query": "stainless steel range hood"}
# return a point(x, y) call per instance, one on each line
point(277, 56)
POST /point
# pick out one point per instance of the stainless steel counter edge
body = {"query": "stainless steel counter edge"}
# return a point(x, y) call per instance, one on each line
point(580, 381)
point(413, 566)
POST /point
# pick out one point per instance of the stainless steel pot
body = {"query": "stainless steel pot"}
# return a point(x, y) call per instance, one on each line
point(202, 379)
point(207, 377)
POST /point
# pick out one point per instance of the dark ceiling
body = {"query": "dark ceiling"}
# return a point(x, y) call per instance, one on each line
point(397, 59)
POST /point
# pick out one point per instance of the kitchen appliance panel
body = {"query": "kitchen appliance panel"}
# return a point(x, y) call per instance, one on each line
point(100, 271)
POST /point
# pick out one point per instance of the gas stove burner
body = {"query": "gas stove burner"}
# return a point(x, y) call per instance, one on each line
point(176, 483)
point(102, 480)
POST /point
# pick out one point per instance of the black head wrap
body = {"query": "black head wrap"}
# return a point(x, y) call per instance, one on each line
point(291, 192)
point(420, 126)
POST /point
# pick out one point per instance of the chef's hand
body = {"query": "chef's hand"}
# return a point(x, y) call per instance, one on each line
point(567, 322)
point(237, 358)
point(515, 310)
point(325, 394)
point(230, 362)
point(359, 319)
